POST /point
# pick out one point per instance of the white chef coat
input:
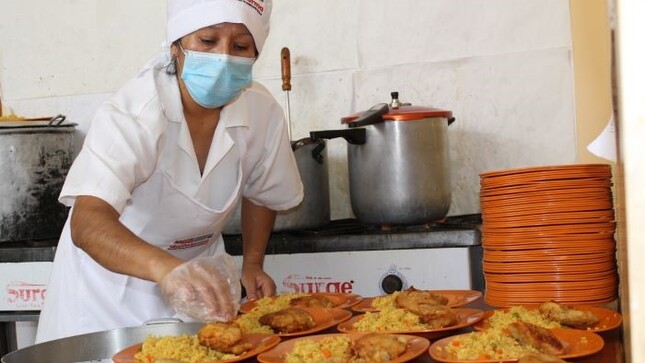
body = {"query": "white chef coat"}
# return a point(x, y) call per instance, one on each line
point(138, 156)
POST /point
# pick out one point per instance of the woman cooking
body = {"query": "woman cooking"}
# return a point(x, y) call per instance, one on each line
point(165, 161)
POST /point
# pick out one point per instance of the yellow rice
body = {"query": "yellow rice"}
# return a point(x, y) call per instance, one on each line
point(495, 342)
point(249, 322)
point(390, 319)
point(488, 344)
point(502, 319)
point(386, 301)
point(185, 348)
point(327, 350)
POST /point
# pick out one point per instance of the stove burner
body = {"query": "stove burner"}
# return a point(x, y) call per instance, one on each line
point(29, 244)
point(352, 226)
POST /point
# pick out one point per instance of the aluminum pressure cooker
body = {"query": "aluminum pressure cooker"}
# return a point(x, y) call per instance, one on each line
point(399, 167)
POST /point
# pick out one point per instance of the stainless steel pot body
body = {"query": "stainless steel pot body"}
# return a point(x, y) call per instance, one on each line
point(314, 211)
point(100, 346)
point(34, 163)
point(401, 174)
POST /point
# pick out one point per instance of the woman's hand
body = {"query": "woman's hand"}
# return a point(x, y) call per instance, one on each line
point(204, 288)
point(257, 223)
point(257, 283)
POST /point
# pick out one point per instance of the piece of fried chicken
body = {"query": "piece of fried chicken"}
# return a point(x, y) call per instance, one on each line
point(414, 296)
point(436, 316)
point(312, 301)
point(223, 337)
point(288, 320)
point(537, 337)
point(539, 358)
point(568, 315)
point(378, 347)
point(424, 304)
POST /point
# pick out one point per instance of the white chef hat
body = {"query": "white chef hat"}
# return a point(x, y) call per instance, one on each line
point(186, 16)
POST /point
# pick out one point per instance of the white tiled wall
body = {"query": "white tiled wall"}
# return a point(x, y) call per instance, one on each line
point(502, 66)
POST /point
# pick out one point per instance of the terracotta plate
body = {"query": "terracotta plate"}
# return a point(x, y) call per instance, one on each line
point(551, 277)
point(456, 298)
point(340, 300)
point(261, 343)
point(323, 319)
point(566, 168)
point(416, 347)
point(465, 317)
point(507, 302)
point(579, 343)
point(607, 319)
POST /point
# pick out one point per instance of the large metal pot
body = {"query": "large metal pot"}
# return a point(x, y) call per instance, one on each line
point(100, 346)
point(35, 157)
point(314, 211)
point(311, 157)
point(398, 163)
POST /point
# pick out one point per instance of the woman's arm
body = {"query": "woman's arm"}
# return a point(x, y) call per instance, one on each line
point(257, 224)
point(96, 229)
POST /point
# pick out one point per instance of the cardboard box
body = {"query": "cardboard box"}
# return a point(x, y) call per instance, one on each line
point(23, 285)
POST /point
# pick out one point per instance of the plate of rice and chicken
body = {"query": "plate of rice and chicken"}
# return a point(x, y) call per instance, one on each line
point(214, 342)
point(291, 321)
point(449, 298)
point(512, 343)
point(436, 322)
point(354, 347)
point(554, 315)
point(310, 300)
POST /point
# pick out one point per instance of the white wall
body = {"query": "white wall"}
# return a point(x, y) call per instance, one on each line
point(502, 66)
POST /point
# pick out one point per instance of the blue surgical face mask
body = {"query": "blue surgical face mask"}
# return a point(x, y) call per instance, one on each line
point(212, 79)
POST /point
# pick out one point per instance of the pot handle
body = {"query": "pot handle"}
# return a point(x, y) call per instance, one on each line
point(353, 136)
point(372, 116)
point(163, 321)
point(451, 120)
point(56, 120)
point(316, 153)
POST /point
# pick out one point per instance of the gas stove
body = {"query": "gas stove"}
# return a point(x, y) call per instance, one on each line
point(348, 256)
point(351, 235)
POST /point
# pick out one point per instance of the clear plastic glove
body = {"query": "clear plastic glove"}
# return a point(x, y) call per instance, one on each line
point(204, 288)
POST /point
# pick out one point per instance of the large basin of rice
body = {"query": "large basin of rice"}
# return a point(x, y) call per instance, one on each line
point(185, 348)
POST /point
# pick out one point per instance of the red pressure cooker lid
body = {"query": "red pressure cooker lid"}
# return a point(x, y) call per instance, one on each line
point(404, 113)
point(394, 111)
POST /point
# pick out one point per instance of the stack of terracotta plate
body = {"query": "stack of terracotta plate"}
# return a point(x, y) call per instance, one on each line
point(548, 234)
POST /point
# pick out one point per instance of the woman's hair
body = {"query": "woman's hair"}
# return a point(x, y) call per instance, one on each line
point(171, 66)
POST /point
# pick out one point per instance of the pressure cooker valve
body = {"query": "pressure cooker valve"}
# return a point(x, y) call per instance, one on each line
point(395, 101)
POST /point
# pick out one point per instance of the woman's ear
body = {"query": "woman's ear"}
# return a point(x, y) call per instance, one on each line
point(174, 49)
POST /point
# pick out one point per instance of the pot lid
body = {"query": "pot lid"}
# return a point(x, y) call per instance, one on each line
point(405, 113)
point(56, 121)
point(397, 111)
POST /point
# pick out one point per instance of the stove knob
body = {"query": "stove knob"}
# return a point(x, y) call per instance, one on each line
point(391, 283)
